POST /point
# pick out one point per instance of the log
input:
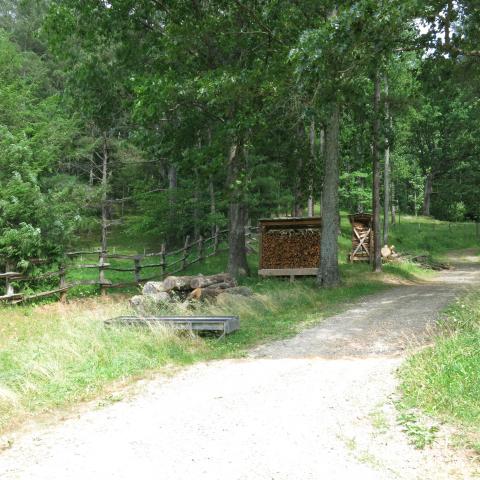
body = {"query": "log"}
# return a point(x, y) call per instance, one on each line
point(386, 251)
point(178, 283)
point(203, 293)
point(212, 291)
point(205, 281)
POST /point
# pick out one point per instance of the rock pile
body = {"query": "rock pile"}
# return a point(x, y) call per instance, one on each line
point(186, 288)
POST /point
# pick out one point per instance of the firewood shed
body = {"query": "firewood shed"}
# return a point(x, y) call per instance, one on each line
point(289, 246)
point(362, 237)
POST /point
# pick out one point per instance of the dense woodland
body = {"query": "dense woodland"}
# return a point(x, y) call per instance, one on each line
point(173, 117)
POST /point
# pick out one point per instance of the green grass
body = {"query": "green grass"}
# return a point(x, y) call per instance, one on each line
point(54, 355)
point(424, 235)
point(413, 235)
point(444, 380)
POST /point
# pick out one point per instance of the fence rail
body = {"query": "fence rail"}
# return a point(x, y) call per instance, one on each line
point(181, 258)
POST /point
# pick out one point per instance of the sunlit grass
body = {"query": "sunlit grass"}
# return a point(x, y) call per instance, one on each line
point(54, 355)
point(445, 378)
point(57, 354)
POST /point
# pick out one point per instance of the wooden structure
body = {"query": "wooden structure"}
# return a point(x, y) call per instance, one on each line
point(223, 325)
point(362, 237)
point(159, 264)
point(289, 246)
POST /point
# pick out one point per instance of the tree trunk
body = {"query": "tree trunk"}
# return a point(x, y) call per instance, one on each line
point(328, 273)
point(104, 225)
point(361, 185)
point(428, 194)
point(376, 258)
point(393, 210)
point(237, 216)
point(297, 210)
point(386, 175)
point(172, 200)
point(213, 207)
point(172, 182)
point(196, 207)
point(321, 148)
point(310, 202)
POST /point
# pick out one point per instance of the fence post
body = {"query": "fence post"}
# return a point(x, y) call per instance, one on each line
point(9, 290)
point(185, 253)
point(138, 268)
point(163, 260)
point(101, 273)
point(201, 254)
point(62, 284)
point(215, 239)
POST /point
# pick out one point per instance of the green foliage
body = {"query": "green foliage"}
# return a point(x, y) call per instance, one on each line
point(173, 87)
point(67, 355)
point(420, 436)
point(38, 206)
point(444, 380)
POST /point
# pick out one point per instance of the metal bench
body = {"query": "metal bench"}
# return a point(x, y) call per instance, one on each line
point(225, 325)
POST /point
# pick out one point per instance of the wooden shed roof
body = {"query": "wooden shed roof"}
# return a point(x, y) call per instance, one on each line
point(292, 222)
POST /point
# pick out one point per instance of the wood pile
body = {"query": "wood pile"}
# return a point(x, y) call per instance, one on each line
point(388, 252)
point(362, 238)
point(185, 288)
point(291, 248)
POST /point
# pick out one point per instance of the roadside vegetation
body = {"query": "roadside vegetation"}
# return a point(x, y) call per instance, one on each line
point(53, 355)
point(412, 235)
point(444, 379)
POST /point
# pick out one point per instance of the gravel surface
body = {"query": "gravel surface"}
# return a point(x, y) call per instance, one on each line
point(317, 406)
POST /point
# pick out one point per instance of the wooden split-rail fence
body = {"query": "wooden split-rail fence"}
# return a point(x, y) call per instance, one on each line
point(165, 263)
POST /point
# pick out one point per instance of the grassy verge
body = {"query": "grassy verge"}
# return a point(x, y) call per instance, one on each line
point(444, 380)
point(54, 355)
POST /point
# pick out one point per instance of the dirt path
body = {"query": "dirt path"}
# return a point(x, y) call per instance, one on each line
point(317, 406)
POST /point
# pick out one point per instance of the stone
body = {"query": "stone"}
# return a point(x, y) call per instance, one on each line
point(150, 303)
point(153, 287)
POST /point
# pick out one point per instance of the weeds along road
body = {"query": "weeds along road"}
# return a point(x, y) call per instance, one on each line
point(316, 406)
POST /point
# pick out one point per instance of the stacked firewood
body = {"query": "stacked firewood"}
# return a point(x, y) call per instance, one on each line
point(362, 230)
point(291, 248)
point(186, 288)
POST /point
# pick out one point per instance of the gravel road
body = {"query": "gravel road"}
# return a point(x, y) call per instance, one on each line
point(316, 406)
